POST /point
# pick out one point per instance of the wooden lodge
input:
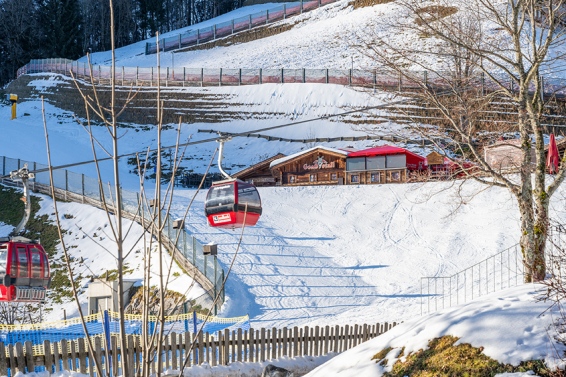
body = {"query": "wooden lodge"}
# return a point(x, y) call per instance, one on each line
point(259, 174)
point(314, 166)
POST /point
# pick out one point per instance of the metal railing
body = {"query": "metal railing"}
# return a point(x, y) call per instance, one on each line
point(224, 29)
point(502, 270)
point(186, 249)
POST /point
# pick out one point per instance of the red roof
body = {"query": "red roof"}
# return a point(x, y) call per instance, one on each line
point(382, 151)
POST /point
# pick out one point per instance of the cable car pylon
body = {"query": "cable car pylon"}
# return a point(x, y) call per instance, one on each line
point(231, 203)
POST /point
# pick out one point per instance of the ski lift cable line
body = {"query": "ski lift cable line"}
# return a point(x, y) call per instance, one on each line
point(65, 166)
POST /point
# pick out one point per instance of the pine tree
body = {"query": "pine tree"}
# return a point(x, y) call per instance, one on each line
point(61, 27)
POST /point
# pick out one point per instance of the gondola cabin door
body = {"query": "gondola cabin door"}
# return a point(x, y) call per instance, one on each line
point(232, 204)
point(24, 272)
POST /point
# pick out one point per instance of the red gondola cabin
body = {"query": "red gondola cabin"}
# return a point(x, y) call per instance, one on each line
point(24, 271)
point(225, 205)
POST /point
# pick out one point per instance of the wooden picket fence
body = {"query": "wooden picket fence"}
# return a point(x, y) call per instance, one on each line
point(222, 348)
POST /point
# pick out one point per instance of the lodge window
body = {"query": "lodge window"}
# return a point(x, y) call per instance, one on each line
point(291, 179)
point(355, 178)
point(375, 177)
point(313, 178)
point(395, 176)
point(334, 176)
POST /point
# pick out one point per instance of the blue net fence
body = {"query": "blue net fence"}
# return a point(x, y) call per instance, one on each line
point(72, 329)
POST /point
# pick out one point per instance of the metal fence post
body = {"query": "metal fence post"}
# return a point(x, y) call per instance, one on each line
point(122, 75)
point(301, 6)
point(282, 78)
point(250, 23)
point(194, 251)
point(201, 76)
point(198, 36)
point(304, 77)
point(179, 41)
point(232, 26)
point(350, 78)
point(260, 76)
point(240, 76)
point(266, 16)
point(327, 75)
point(220, 78)
point(214, 32)
point(284, 10)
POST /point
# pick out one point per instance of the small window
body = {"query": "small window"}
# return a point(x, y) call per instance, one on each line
point(291, 179)
point(35, 263)
point(313, 178)
point(334, 176)
point(395, 176)
point(375, 177)
point(355, 178)
point(3, 258)
point(22, 262)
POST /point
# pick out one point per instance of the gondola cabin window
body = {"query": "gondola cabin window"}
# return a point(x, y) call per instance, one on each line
point(220, 195)
point(3, 258)
point(35, 263)
point(248, 195)
point(23, 262)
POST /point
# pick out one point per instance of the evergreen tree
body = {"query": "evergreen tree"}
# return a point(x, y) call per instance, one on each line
point(61, 27)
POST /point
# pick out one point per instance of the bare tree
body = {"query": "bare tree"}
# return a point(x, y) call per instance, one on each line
point(479, 55)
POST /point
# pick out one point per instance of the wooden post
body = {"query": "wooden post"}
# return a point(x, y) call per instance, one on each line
point(4, 361)
point(273, 343)
point(326, 339)
point(114, 342)
point(213, 347)
point(20, 358)
point(201, 348)
point(294, 352)
point(65, 355)
point(239, 349)
point(206, 348)
point(82, 356)
point(226, 360)
point(262, 350)
point(306, 341)
point(29, 355)
point(251, 342)
point(316, 340)
point(46, 351)
point(56, 357)
point(285, 341)
point(187, 355)
point(98, 358)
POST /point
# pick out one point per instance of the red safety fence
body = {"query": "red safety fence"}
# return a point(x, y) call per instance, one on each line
point(183, 76)
point(224, 29)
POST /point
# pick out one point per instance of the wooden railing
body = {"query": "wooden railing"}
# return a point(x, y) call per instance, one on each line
point(222, 348)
